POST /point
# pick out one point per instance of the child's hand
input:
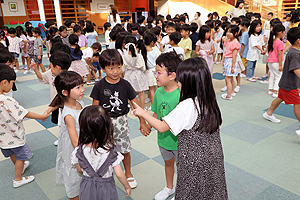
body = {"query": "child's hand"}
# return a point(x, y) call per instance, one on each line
point(222, 63)
point(128, 191)
point(92, 67)
point(232, 70)
point(39, 57)
point(138, 111)
point(46, 115)
point(33, 66)
point(145, 129)
point(280, 68)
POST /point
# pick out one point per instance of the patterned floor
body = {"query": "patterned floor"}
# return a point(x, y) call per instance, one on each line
point(261, 158)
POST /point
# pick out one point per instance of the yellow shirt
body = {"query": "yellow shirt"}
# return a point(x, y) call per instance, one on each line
point(186, 44)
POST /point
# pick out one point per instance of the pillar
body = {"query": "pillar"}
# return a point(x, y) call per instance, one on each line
point(57, 13)
point(41, 10)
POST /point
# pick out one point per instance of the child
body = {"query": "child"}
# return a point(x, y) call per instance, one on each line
point(28, 24)
point(21, 34)
point(165, 45)
point(91, 34)
point(128, 20)
point(107, 27)
point(290, 79)
point(48, 25)
point(286, 25)
point(82, 40)
point(64, 35)
point(13, 142)
point(95, 63)
point(275, 59)
point(96, 156)
point(174, 40)
point(38, 48)
point(142, 20)
point(30, 45)
point(229, 61)
point(134, 30)
point(113, 93)
point(196, 120)
point(244, 42)
point(218, 36)
point(3, 39)
point(165, 100)
point(186, 42)
point(77, 64)
point(266, 27)
point(140, 42)
point(194, 37)
point(5, 29)
point(205, 46)
point(70, 91)
point(134, 67)
point(87, 55)
point(14, 46)
point(256, 43)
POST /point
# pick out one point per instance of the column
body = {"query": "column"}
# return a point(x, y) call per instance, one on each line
point(41, 10)
point(57, 13)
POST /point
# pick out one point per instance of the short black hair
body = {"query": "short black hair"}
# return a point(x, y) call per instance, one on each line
point(37, 30)
point(171, 24)
point(169, 60)
point(257, 15)
point(142, 30)
point(7, 73)
point(68, 23)
point(4, 28)
point(27, 24)
point(134, 27)
point(176, 37)
point(110, 57)
point(186, 27)
point(224, 18)
point(270, 13)
point(55, 39)
point(182, 18)
point(106, 25)
point(113, 34)
point(96, 45)
point(12, 31)
point(62, 28)
point(249, 15)
point(127, 18)
point(198, 13)
point(77, 28)
point(293, 35)
point(156, 30)
point(141, 19)
point(168, 17)
point(6, 56)
point(194, 27)
point(210, 23)
point(96, 54)
point(245, 22)
point(62, 59)
point(59, 46)
point(236, 20)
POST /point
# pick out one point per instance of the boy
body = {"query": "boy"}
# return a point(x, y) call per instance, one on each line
point(244, 44)
point(165, 42)
point(235, 21)
point(12, 132)
point(95, 63)
point(142, 20)
point(87, 55)
point(194, 38)
point(64, 35)
point(165, 100)
point(290, 79)
point(174, 40)
point(128, 20)
point(185, 42)
point(38, 48)
point(107, 27)
point(112, 92)
point(266, 27)
point(8, 58)
point(134, 30)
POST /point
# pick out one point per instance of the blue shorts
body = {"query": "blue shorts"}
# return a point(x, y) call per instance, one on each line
point(21, 153)
point(38, 61)
point(15, 54)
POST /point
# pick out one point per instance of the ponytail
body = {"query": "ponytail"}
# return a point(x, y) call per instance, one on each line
point(6, 42)
point(144, 53)
point(270, 42)
point(276, 29)
point(132, 50)
point(77, 49)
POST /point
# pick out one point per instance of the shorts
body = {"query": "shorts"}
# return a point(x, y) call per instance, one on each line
point(38, 61)
point(289, 97)
point(244, 60)
point(168, 154)
point(24, 54)
point(15, 54)
point(121, 133)
point(21, 153)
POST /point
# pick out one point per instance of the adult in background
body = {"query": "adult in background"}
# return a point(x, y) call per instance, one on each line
point(238, 10)
point(197, 20)
point(113, 18)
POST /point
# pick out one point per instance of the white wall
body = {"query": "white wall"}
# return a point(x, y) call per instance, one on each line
point(95, 2)
point(21, 8)
point(163, 7)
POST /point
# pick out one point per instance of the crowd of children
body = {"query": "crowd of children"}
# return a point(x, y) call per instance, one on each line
point(174, 59)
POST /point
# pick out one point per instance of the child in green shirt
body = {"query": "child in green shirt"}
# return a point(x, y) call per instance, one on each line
point(186, 42)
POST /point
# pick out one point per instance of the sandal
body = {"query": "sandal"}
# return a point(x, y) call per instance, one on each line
point(224, 96)
point(132, 183)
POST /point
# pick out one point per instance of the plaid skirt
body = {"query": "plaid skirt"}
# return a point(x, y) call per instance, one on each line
point(227, 67)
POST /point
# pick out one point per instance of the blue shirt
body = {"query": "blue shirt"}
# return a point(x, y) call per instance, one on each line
point(74, 56)
point(194, 38)
point(245, 41)
point(96, 65)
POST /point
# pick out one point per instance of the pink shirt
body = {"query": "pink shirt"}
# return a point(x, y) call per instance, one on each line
point(230, 47)
point(278, 45)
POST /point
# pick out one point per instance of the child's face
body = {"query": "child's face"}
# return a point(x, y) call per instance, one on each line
point(73, 24)
point(64, 33)
point(55, 69)
point(229, 34)
point(6, 85)
point(170, 30)
point(78, 33)
point(163, 77)
point(77, 92)
point(281, 34)
point(109, 28)
point(252, 18)
point(134, 32)
point(207, 35)
point(154, 22)
point(287, 19)
point(184, 33)
point(95, 50)
point(215, 17)
point(35, 34)
point(5, 31)
point(12, 35)
point(95, 59)
point(269, 17)
point(257, 28)
point(130, 20)
point(159, 23)
point(113, 72)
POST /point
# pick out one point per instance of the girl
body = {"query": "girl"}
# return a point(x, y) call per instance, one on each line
point(229, 61)
point(3, 39)
point(200, 151)
point(205, 46)
point(70, 91)
point(52, 32)
point(96, 156)
point(83, 41)
point(134, 67)
point(113, 18)
point(21, 34)
point(218, 36)
point(275, 59)
point(14, 46)
point(77, 65)
point(151, 56)
point(120, 43)
point(256, 43)
point(30, 45)
point(91, 34)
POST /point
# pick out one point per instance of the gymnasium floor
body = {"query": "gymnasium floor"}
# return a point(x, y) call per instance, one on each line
point(260, 157)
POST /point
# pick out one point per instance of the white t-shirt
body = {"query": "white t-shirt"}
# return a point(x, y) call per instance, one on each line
point(254, 53)
point(14, 44)
point(110, 19)
point(96, 160)
point(87, 53)
point(48, 78)
point(107, 41)
point(166, 43)
point(183, 117)
point(178, 50)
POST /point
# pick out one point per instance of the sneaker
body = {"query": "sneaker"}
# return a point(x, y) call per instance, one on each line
point(132, 182)
point(26, 72)
point(233, 94)
point(271, 118)
point(22, 182)
point(16, 70)
point(251, 79)
point(26, 164)
point(224, 96)
point(237, 89)
point(270, 93)
point(90, 83)
point(275, 95)
point(242, 75)
point(218, 63)
point(264, 82)
point(224, 89)
point(255, 77)
point(264, 76)
point(298, 134)
point(147, 100)
point(165, 193)
point(56, 143)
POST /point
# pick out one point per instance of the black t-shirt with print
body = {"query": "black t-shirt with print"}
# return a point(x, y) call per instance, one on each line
point(114, 97)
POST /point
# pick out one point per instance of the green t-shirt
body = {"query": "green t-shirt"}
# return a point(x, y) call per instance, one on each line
point(186, 44)
point(163, 103)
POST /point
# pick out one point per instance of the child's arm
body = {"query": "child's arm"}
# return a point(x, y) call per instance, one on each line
point(212, 49)
point(144, 127)
point(242, 50)
point(287, 48)
point(280, 60)
point(79, 168)
point(36, 71)
point(33, 115)
point(197, 51)
point(297, 72)
point(261, 50)
point(122, 178)
point(234, 54)
point(89, 62)
point(40, 52)
point(70, 122)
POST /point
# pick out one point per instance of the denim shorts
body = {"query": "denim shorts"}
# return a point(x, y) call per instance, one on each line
point(168, 154)
point(38, 61)
point(21, 153)
point(15, 54)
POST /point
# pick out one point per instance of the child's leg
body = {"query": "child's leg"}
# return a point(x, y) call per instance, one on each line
point(127, 164)
point(297, 111)
point(214, 57)
point(152, 93)
point(23, 61)
point(253, 68)
point(220, 57)
point(88, 77)
point(271, 77)
point(170, 170)
point(75, 198)
point(19, 165)
point(142, 99)
point(233, 85)
point(17, 63)
point(275, 103)
point(238, 80)
point(229, 84)
point(249, 69)
point(93, 74)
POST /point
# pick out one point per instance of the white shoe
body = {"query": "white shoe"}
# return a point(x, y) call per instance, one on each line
point(271, 118)
point(90, 83)
point(16, 70)
point(224, 89)
point(56, 143)
point(275, 95)
point(298, 134)
point(147, 100)
point(132, 182)
point(237, 89)
point(26, 164)
point(242, 75)
point(264, 76)
point(270, 93)
point(22, 182)
point(165, 193)
point(224, 96)
point(264, 82)
point(26, 72)
point(233, 94)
